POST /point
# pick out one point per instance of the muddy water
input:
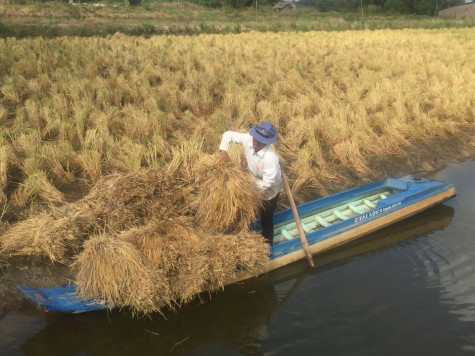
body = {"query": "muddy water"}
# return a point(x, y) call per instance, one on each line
point(406, 290)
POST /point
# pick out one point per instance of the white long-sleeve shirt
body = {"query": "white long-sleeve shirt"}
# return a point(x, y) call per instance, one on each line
point(264, 164)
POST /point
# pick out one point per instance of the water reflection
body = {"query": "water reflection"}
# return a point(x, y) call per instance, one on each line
point(230, 317)
point(236, 319)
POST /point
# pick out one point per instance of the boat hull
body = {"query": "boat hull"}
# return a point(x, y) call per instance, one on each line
point(347, 236)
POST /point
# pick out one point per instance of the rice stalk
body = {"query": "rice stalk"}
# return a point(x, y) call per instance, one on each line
point(11, 89)
point(307, 175)
point(52, 125)
point(56, 161)
point(193, 261)
point(138, 124)
point(5, 152)
point(3, 114)
point(160, 258)
point(229, 253)
point(37, 188)
point(186, 263)
point(126, 155)
point(184, 156)
point(157, 152)
point(130, 200)
point(265, 110)
point(347, 152)
point(90, 164)
point(151, 239)
point(89, 158)
point(60, 102)
point(32, 110)
point(68, 133)
point(27, 143)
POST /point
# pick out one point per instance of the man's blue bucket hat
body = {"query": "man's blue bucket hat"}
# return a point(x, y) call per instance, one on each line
point(265, 132)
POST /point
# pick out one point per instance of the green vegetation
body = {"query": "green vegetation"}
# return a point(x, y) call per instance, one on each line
point(51, 19)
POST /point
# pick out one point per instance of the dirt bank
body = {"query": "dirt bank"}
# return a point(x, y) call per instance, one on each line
point(422, 159)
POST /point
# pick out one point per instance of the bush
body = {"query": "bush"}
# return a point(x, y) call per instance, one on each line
point(144, 29)
point(399, 6)
point(3, 29)
point(324, 5)
point(425, 7)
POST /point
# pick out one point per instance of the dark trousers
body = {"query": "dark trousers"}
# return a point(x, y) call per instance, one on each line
point(267, 218)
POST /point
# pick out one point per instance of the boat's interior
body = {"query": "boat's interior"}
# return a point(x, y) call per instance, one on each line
point(315, 220)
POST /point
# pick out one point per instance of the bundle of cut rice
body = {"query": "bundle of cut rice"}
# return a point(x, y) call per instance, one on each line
point(227, 196)
point(177, 252)
point(114, 270)
point(123, 201)
point(229, 253)
point(173, 264)
point(116, 203)
point(41, 235)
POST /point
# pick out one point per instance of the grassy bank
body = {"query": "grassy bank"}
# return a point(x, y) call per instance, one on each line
point(52, 19)
point(75, 109)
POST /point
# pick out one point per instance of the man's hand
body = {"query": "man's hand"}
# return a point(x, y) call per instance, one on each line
point(223, 156)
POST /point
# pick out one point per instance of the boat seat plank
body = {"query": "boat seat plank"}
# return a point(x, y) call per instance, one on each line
point(305, 227)
point(354, 208)
point(369, 204)
point(339, 214)
point(321, 221)
point(286, 234)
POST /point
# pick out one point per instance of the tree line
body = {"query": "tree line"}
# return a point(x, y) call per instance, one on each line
point(417, 7)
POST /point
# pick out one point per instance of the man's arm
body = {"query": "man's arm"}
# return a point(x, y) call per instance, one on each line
point(231, 137)
point(228, 138)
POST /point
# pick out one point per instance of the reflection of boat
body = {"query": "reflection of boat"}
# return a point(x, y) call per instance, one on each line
point(231, 318)
point(329, 222)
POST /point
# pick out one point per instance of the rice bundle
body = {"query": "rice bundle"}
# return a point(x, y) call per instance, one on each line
point(177, 251)
point(151, 242)
point(227, 196)
point(123, 201)
point(113, 270)
point(229, 253)
point(174, 262)
point(192, 260)
point(41, 235)
point(116, 203)
point(186, 253)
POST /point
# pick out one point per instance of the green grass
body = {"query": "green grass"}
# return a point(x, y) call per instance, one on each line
point(51, 19)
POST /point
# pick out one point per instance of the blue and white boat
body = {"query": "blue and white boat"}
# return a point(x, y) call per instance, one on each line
point(328, 222)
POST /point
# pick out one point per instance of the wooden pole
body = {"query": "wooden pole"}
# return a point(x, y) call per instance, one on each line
point(303, 239)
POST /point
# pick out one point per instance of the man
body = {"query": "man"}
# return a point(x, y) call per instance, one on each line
point(264, 165)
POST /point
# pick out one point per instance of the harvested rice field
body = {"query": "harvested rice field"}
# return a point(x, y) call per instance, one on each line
point(107, 144)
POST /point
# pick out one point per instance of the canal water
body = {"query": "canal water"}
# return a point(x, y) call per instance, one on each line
point(406, 290)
